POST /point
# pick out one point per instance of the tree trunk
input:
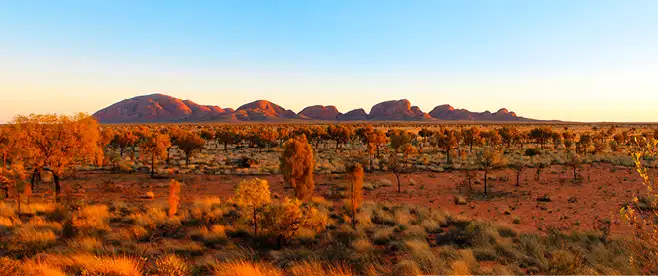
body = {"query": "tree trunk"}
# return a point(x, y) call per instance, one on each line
point(448, 157)
point(153, 165)
point(33, 181)
point(485, 182)
point(518, 175)
point(397, 176)
point(6, 188)
point(58, 187)
point(255, 223)
point(575, 173)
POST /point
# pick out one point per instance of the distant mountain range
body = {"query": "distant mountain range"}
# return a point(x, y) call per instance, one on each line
point(159, 108)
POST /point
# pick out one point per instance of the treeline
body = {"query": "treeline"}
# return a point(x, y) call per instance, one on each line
point(36, 143)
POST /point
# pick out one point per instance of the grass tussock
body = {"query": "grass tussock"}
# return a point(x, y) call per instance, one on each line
point(245, 268)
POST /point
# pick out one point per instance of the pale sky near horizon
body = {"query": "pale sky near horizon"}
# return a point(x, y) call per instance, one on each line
point(575, 60)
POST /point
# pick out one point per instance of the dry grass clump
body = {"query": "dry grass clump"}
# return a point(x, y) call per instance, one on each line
point(33, 268)
point(182, 247)
point(153, 217)
point(87, 264)
point(383, 235)
point(90, 218)
point(85, 244)
point(316, 268)
point(362, 246)
point(460, 268)
point(171, 265)
point(216, 233)
point(245, 268)
point(407, 268)
point(28, 238)
point(206, 210)
point(39, 208)
point(7, 210)
point(128, 233)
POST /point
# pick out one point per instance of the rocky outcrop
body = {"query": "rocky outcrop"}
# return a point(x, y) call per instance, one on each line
point(397, 111)
point(355, 115)
point(447, 112)
point(320, 112)
point(263, 110)
point(157, 108)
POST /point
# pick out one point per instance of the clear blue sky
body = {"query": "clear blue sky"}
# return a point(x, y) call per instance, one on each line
point(587, 60)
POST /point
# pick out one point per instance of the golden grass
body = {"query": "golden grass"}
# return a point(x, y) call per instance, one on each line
point(171, 265)
point(215, 233)
point(91, 217)
point(315, 268)
point(27, 237)
point(85, 244)
point(245, 268)
point(88, 264)
point(460, 268)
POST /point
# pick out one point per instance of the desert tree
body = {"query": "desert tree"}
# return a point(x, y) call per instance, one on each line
point(297, 165)
point(425, 134)
point(541, 135)
point(58, 143)
point(341, 134)
point(394, 165)
point(207, 134)
point(556, 138)
point(284, 134)
point(584, 143)
point(644, 219)
point(268, 137)
point(472, 137)
point(517, 164)
point(377, 139)
point(316, 135)
point(356, 189)
point(492, 138)
point(253, 194)
point(227, 136)
point(599, 142)
point(399, 139)
point(284, 219)
point(446, 140)
point(509, 135)
point(155, 146)
point(488, 159)
point(573, 162)
point(568, 139)
point(190, 143)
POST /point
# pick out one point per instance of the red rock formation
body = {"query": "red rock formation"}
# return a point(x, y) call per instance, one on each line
point(447, 112)
point(156, 108)
point(162, 108)
point(355, 115)
point(320, 112)
point(396, 111)
point(264, 110)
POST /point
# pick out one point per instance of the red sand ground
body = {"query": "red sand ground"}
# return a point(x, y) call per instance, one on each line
point(601, 194)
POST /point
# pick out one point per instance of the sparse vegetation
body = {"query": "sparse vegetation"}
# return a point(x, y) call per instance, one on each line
point(353, 222)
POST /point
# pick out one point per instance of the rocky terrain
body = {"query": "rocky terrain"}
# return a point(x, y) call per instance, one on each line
point(162, 108)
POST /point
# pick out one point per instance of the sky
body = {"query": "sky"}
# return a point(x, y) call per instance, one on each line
point(575, 60)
